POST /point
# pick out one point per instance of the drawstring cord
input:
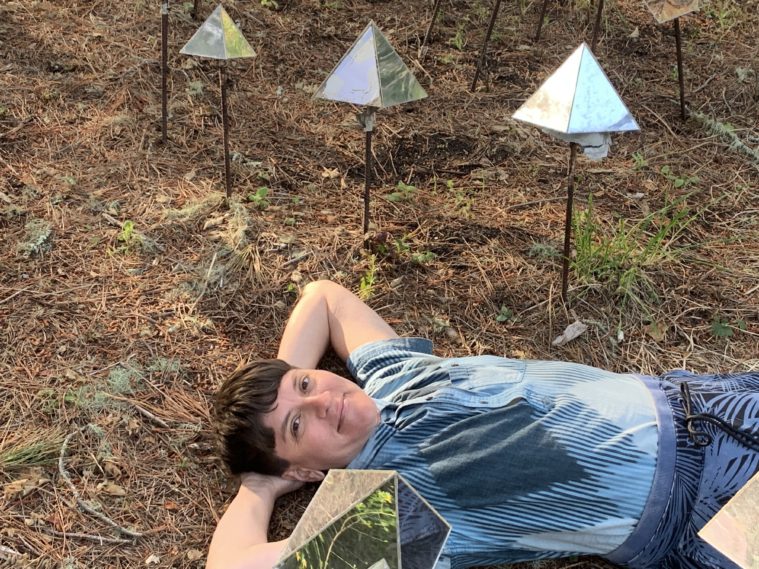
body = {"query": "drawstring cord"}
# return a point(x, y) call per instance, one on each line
point(702, 438)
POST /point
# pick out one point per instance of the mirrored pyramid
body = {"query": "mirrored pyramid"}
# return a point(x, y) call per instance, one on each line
point(577, 99)
point(666, 10)
point(218, 38)
point(366, 519)
point(371, 73)
point(734, 531)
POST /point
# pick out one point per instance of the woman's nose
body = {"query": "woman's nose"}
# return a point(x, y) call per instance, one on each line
point(321, 402)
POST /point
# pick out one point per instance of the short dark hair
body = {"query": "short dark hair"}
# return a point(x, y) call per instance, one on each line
point(246, 444)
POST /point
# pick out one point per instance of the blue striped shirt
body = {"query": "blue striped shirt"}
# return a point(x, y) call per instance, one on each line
point(525, 459)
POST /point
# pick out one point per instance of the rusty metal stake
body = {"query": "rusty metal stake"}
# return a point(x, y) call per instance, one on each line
point(164, 70)
point(680, 78)
point(225, 125)
point(540, 20)
point(597, 25)
point(428, 33)
point(367, 121)
point(568, 222)
point(195, 9)
point(483, 51)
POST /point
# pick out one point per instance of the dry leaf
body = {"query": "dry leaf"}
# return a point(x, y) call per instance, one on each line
point(112, 470)
point(330, 173)
point(571, 332)
point(21, 486)
point(170, 505)
point(657, 331)
point(194, 554)
point(152, 560)
point(111, 489)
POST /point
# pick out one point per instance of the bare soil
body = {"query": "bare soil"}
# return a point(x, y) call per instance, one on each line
point(129, 290)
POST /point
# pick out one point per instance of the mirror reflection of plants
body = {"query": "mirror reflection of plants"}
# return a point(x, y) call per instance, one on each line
point(364, 535)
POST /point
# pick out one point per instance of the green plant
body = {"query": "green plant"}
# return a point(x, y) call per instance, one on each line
point(622, 255)
point(462, 203)
point(194, 88)
point(459, 40)
point(366, 285)
point(676, 180)
point(543, 251)
point(258, 198)
point(504, 314)
point(402, 193)
point(40, 450)
point(127, 232)
point(423, 257)
point(271, 4)
point(37, 238)
point(723, 12)
point(723, 328)
point(639, 161)
point(401, 246)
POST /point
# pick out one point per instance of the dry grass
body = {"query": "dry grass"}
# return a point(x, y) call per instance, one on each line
point(124, 339)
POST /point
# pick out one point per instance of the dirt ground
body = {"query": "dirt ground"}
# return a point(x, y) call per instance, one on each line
point(129, 290)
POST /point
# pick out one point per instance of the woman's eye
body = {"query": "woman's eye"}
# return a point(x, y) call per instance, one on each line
point(304, 383)
point(295, 428)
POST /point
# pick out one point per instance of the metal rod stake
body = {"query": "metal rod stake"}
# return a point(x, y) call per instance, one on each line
point(568, 222)
point(540, 20)
point(483, 51)
point(164, 70)
point(225, 124)
point(195, 9)
point(428, 33)
point(367, 178)
point(680, 77)
point(597, 25)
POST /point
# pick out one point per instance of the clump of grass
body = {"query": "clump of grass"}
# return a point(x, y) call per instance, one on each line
point(36, 448)
point(37, 239)
point(195, 210)
point(623, 255)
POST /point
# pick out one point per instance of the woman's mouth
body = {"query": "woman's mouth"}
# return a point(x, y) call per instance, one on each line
point(341, 414)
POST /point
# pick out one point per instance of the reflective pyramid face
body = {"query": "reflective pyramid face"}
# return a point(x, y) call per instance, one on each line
point(577, 98)
point(665, 10)
point(389, 526)
point(218, 38)
point(371, 73)
point(735, 529)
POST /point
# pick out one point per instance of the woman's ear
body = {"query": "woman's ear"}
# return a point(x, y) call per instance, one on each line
point(303, 474)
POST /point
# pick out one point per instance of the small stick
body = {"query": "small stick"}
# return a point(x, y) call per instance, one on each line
point(8, 553)
point(568, 222)
point(225, 124)
point(540, 21)
point(164, 69)
point(428, 33)
point(82, 504)
point(680, 78)
point(597, 25)
point(98, 538)
point(483, 51)
point(142, 411)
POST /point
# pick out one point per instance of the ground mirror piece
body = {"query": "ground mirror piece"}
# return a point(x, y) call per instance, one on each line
point(220, 38)
point(666, 10)
point(366, 519)
point(578, 104)
point(734, 531)
point(373, 75)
